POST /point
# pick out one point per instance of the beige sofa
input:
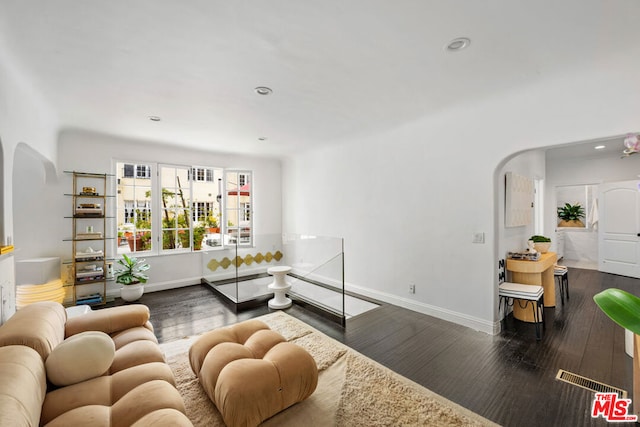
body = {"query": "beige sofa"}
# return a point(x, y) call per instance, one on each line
point(103, 368)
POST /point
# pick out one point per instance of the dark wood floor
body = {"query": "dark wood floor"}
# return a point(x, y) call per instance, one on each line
point(508, 378)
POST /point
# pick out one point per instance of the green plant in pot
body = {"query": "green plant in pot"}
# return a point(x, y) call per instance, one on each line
point(131, 274)
point(571, 215)
point(541, 243)
point(213, 223)
point(198, 235)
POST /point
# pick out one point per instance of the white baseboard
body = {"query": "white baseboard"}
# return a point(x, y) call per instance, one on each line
point(160, 286)
point(475, 323)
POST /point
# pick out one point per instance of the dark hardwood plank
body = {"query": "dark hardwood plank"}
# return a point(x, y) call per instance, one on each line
point(508, 378)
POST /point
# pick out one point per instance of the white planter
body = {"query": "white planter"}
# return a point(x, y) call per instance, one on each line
point(131, 292)
point(542, 247)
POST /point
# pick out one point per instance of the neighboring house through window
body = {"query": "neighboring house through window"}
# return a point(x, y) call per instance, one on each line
point(166, 208)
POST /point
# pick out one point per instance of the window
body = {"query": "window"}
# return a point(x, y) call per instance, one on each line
point(202, 211)
point(245, 208)
point(179, 208)
point(134, 210)
point(238, 196)
point(136, 171)
point(176, 207)
point(202, 174)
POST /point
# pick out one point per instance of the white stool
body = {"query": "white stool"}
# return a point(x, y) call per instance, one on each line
point(279, 287)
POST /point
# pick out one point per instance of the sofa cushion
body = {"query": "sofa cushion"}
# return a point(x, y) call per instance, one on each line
point(167, 417)
point(23, 386)
point(103, 391)
point(39, 326)
point(146, 398)
point(109, 321)
point(80, 357)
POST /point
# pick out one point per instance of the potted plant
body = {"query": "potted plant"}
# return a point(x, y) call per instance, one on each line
point(132, 276)
point(571, 215)
point(212, 224)
point(198, 235)
point(541, 243)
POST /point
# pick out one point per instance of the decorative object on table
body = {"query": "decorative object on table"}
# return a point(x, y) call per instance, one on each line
point(531, 247)
point(132, 276)
point(524, 256)
point(541, 243)
point(570, 215)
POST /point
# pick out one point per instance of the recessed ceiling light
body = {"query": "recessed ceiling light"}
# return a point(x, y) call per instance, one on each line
point(458, 44)
point(599, 147)
point(154, 118)
point(263, 90)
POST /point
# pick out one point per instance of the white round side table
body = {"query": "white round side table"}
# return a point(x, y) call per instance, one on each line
point(279, 287)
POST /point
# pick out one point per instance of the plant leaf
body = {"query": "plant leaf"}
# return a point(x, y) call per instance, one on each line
point(622, 307)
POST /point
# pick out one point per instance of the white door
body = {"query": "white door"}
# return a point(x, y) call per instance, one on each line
point(619, 228)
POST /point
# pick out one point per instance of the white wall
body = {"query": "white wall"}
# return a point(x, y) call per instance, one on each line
point(408, 201)
point(24, 119)
point(407, 216)
point(90, 152)
point(36, 198)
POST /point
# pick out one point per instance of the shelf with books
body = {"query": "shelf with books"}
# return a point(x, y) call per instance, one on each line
point(88, 264)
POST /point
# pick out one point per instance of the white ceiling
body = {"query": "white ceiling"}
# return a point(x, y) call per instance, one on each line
point(339, 69)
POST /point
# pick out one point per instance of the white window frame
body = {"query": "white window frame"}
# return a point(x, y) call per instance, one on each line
point(157, 209)
point(240, 240)
point(149, 168)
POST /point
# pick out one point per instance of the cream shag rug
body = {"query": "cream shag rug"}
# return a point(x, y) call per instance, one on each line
point(352, 391)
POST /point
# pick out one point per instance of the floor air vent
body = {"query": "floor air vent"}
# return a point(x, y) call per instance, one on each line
point(589, 384)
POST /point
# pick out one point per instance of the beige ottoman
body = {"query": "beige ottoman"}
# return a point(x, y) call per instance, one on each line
point(251, 373)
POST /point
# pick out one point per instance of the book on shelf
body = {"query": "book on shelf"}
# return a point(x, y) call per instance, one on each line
point(93, 213)
point(89, 255)
point(86, 272)
point(87, 236)
point(89, 259)
point(89, 299)
point(89, 279)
